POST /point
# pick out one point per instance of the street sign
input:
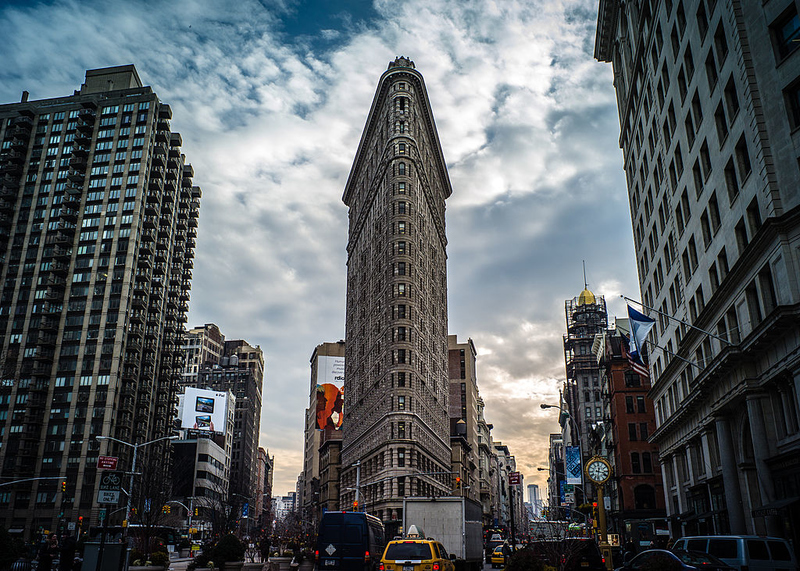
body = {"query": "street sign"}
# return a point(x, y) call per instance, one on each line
point(110, 486)
point(71, 526)
point(107, 462)
point(102, 513)
point(107, 497)
point(514, 478)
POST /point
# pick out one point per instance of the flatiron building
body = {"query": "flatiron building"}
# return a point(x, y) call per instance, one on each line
point(396, 426)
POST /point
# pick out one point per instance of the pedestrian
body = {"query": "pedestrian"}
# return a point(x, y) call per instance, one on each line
point(47, 552)
point(66, 553)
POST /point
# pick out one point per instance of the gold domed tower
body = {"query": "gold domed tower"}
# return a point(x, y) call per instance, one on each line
point(586, 316)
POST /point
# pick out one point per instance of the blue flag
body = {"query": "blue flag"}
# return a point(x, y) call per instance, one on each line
point(640, 326)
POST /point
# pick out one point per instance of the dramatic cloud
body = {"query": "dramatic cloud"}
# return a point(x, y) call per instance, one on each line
point(271, 98)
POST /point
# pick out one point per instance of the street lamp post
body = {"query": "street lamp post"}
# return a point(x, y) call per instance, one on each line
point(577, 432)
point(132, 474)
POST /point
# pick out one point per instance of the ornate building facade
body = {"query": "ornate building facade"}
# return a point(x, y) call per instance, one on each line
point(708, 94)
point(396, 428)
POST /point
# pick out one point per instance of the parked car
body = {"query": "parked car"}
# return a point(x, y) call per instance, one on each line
point(660, 559)
point(743, 552)
point(572, 554)
point(704, 561)
point(675, 561)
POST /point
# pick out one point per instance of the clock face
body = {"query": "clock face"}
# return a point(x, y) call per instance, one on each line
point(598, 470)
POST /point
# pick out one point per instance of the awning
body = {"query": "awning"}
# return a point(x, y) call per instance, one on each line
point(774, 508)
point(704, 515)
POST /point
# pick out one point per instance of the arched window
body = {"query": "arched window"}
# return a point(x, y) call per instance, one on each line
point(401, 169)
point(644, 497)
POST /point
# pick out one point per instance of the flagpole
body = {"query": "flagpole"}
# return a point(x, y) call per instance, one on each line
point(668, 316)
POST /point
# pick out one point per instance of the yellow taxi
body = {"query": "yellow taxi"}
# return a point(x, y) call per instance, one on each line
point(415, 552)
point(498, 558)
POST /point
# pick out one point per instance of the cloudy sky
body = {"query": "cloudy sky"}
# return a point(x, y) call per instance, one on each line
point(271, 97)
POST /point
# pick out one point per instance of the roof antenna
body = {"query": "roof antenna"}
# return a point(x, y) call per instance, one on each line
point(585, 283)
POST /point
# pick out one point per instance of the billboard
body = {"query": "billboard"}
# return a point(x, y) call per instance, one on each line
point(330, 384)
point(204, 410)
point(572, 463)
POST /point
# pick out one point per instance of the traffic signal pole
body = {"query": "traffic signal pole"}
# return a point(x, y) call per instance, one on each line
point(513, 521)
point(605, 548)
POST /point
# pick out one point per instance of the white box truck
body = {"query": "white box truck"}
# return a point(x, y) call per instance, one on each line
point(454, 522)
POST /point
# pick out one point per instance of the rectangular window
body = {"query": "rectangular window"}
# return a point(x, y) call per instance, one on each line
point(636, 467)
point(721, 122)
point(731, 182)
point(632, 431)
point(640, 404)
point(743, 158)
point(786, 32)
point(741, 235)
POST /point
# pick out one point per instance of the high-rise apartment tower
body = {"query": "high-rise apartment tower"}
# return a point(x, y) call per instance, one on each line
point(97, 229)
point(709, 104)
point(396, 432)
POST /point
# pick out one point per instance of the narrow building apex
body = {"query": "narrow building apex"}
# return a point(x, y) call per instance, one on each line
point(401, 61)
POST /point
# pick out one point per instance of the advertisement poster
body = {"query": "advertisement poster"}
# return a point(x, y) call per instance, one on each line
point(572, 463)
point(204, 410)
point(330, 399)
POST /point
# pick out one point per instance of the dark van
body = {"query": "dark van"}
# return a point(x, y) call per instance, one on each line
point(349, 541)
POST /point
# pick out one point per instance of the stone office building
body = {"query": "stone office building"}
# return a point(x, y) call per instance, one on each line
point(709, 104)
point(98, 219)
point(396, 430)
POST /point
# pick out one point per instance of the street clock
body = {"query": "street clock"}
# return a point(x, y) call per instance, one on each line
point(598, 470)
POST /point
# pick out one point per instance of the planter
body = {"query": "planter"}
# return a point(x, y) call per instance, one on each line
point(248, 566)
point(233, 565)
point(306, 565)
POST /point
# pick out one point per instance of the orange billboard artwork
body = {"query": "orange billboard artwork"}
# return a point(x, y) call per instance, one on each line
point(329, 406)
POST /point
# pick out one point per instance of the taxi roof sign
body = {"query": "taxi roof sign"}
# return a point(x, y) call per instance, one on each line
point(414, 531)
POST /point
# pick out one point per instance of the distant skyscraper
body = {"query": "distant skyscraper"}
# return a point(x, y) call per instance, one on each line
point(202, 346)
point(240, 370)
point(709, 105)
point(322, 425)
point(97, 228)
point(396, 380)
point(463, 411)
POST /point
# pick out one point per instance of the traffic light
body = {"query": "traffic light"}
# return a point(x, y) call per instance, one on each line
point(355, 505)
point(165, 509)
point(595, 515)
point(458, 482)
point(64, 486)
point(80, 521)
point(196, 511)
